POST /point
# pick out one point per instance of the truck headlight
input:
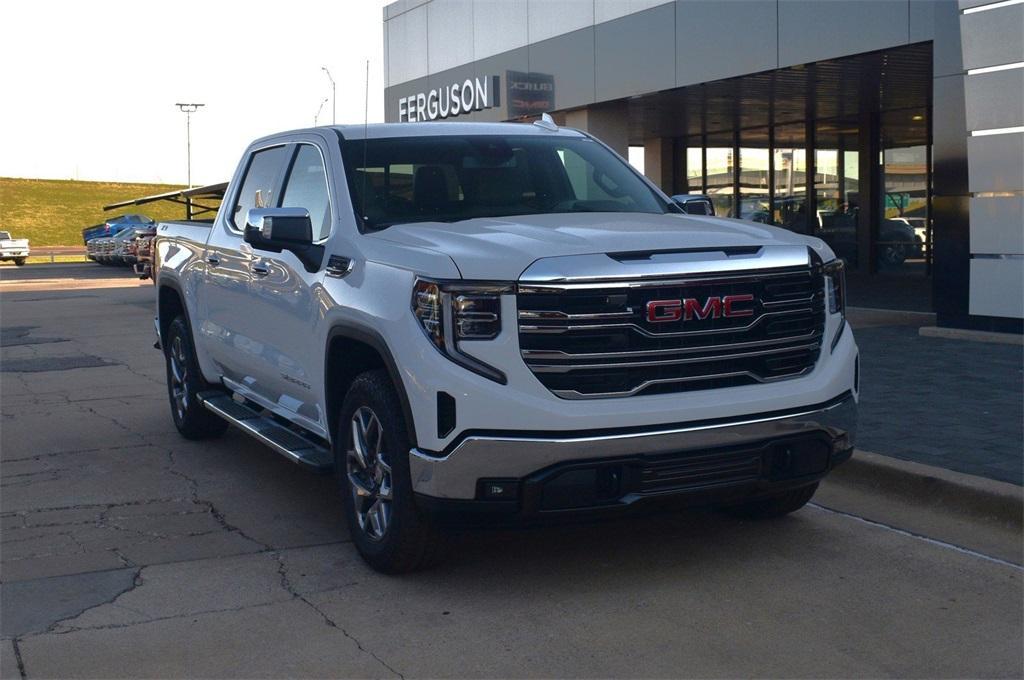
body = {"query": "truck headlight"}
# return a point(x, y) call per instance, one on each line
point(835, 275)
point(453, 312)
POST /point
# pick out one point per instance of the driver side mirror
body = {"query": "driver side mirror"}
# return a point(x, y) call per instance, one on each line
point(278, 229)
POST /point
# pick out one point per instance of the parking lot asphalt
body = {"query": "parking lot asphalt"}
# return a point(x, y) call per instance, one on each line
point(128, 551)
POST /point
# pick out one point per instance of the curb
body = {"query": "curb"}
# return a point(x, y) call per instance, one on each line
point(934, 487)
point(970, 335)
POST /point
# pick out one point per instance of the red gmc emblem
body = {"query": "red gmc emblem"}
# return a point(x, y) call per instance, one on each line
point(661, 311)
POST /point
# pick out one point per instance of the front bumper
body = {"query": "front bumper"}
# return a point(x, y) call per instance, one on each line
point(567, 471)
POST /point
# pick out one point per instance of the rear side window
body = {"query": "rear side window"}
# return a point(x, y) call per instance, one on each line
point(258, 184)
point(306, 187)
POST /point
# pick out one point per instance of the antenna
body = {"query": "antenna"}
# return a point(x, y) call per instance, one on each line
point(546, 122)
point(366, 125)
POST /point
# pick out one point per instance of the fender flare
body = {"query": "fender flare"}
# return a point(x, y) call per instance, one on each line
point(176, 287)
point(376, 341)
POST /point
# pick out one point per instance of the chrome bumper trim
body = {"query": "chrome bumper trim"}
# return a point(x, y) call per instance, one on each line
point(455, 475)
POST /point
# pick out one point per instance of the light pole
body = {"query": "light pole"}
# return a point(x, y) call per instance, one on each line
point(316, 118)
point(334, 96)
point(188, 110)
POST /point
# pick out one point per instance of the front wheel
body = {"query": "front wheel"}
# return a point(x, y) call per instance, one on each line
point(184, 382)
point(371, 463)
point(776, 506)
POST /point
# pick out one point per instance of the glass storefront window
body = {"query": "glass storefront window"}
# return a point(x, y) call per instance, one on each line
point(789, 209)
point(720, 173)
point(754, 179)
point(695, 167)
point(836, 187)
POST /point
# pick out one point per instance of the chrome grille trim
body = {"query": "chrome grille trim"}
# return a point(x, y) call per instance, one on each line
point(661, 283)
point(566, 368)
point(559, 354)
point(680, 334)
point(591, 340)
point(574, 394)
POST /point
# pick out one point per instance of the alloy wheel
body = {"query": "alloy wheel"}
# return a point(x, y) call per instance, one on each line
point(179, 377)
point(369, 473)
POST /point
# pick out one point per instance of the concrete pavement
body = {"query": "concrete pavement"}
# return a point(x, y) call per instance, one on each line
point(128, 551)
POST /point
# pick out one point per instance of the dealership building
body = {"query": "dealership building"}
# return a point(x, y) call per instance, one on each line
point(892, 129)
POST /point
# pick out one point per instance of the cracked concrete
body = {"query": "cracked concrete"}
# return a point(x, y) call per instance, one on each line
point(127, 551)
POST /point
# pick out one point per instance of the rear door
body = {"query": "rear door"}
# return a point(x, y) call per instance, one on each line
point(227, 307)
point(285, 294)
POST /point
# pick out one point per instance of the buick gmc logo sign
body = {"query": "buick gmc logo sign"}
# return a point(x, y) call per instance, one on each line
point(449, 101)
point(688, 309)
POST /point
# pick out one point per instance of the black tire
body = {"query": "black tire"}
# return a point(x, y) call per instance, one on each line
point(776, 506)
point(19, 262)
point(184, 382)
point(409, 541)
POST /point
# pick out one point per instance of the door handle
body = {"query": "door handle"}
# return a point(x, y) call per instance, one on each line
point(213, 260)
point(260, 269)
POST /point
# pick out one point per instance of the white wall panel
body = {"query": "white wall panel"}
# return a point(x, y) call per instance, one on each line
point(407, 45)
point(994, 162)
point(997, 287)
point(499, 26)
point(606, 10)
point(997, 224)
point(996, 99)
point(449, 34)
point(548, 18)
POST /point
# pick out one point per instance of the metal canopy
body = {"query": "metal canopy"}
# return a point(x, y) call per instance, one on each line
point(185, 197)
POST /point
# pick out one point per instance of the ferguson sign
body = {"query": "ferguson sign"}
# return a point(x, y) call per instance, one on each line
point(452, 100)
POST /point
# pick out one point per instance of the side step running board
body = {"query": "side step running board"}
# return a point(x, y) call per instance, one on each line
point(286, 442)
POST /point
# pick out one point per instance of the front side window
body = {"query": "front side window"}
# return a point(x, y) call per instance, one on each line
point(258, 184)
point(454, 178)
point(306, 187)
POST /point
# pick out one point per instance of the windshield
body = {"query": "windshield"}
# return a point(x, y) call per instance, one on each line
point(5, 234)
point(453, 178)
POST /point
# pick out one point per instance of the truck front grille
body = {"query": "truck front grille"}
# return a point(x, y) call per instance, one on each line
point(586, 341)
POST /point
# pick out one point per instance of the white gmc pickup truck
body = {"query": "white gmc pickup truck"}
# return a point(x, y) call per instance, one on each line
point(503, 322)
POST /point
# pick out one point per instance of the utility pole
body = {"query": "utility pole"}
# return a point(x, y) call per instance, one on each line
point(188, 110)
point(316, 118)
point(334, 96)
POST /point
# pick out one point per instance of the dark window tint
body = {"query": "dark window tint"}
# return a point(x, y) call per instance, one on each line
point(258, 184)
point(306, 187)
point(5, 234)
point(452, 178)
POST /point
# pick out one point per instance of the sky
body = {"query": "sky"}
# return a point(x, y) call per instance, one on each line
point(89, 87)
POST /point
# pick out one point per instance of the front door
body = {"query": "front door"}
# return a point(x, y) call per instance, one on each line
point(226, 302)
point(284, 292)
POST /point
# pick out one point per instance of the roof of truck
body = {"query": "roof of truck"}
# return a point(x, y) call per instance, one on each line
point(434, 129)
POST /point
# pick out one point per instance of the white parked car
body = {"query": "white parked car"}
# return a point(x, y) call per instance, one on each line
point(13, 249)
point(506, 322)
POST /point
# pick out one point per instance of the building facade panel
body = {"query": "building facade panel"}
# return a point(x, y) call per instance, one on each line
point(993, 37)
point(701, 53)
point(407, 46)
point(606, 10)
point(500, 27)
point(449, 34)
point(994, 163)
point(995, 99)
point(810, 30)
point(922, 19)
point(635, 54)
point(997, 225)
point(548, 18)
point(569, 62)
point(995, 287)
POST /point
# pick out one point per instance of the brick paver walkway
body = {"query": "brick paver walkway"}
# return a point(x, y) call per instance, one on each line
point(950, 403)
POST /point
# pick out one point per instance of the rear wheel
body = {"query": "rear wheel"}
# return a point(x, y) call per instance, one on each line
point(776, 506)
point(184, 382)
point(19, 261)
point(371, 462)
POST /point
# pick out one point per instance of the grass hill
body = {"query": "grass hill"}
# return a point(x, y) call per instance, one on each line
point(52, 212)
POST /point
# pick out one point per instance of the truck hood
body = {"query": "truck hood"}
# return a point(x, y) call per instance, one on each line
point(502, 248)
